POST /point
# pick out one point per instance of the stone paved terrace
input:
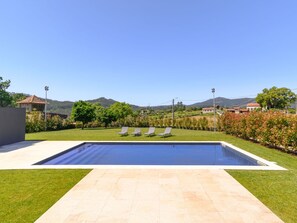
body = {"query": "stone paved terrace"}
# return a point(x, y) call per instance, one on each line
point(161, 196)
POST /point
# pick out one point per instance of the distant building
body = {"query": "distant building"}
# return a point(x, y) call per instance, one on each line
point(32, 103)
point(237, 110)
point(208, 110)
point(253, 106)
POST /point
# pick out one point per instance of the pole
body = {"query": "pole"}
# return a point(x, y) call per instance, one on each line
point(46, 88)
point(214, 109)
point(172, 112)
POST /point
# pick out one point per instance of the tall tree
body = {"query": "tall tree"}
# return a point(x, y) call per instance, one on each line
point(5, 98)
point(274, 97)
point(120, 110)
point(83, 111)
point(180, 106)
point(103, 115)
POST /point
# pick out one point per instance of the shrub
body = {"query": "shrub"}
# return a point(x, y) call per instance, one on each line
point(35, 122)
point(274, 129)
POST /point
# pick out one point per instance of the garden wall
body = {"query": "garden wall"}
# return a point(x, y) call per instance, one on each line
point(12, 125)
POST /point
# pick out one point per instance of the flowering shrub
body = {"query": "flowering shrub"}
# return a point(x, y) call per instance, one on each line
point(35, 123)
point(274, 129)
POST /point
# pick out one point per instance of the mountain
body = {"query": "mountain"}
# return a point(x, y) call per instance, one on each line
point(105, 102)
point(224, 102)
point(60, 107)
point(65, 107)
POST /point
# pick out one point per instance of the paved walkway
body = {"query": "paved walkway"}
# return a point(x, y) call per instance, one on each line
point(158, 195)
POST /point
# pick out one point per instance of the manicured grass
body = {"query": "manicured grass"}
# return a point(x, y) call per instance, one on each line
point(26, 194)
point(112, 134)
point(276, 189)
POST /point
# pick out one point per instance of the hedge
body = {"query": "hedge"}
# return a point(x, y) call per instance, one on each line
point(274, 129)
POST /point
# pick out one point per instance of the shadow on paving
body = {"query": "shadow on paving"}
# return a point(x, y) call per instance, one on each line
point(18, 145)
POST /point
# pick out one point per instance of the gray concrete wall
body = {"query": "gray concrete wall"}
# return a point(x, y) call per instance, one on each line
point(12, 125)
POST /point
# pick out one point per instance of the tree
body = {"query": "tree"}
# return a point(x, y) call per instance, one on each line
point(17, 97)
point(278, 98)
point(83, 111)
point(180, 106)
point(5, 98)
point(103, 115)
point(120, 110)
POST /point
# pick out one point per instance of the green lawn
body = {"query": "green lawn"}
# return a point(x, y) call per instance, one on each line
point(26, 194)
point(276, 189)
point(112, 134)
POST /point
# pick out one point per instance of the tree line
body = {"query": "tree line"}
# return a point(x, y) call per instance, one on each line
point(86, 112)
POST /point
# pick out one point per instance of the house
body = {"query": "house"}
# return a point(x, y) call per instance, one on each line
point(237, 110)
point(253, 106)
point(208, 110)
point(32, 103)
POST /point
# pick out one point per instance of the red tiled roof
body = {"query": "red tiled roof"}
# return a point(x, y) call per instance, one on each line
point(207, 108)
point(253, 105)
point(32, 100)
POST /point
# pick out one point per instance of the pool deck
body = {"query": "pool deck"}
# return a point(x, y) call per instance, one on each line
point(142, 194)
point(158, 196)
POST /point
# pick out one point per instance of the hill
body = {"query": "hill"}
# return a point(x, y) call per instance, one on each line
point(224, 102)
point(65, 107)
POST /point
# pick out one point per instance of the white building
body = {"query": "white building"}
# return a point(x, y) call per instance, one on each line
point(208, 110)
point(253, 106)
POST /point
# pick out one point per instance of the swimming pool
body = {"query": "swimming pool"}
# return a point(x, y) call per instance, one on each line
point(175, 154)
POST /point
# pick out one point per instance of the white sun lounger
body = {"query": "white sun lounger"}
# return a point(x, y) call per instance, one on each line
point(137, 132)
point(124, 131)
point(151, 131)
point(166, 133)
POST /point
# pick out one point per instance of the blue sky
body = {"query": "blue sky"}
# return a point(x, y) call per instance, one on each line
point(148, 52)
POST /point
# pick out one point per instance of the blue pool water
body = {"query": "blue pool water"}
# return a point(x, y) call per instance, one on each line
point(150, 154)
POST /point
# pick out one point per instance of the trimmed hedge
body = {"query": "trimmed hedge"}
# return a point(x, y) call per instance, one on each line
point(202, 123)
point(274, 129)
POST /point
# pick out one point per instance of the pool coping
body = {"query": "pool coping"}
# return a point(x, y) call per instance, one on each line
point(269, 164)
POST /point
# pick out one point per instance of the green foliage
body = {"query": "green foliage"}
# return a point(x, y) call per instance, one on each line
point(17, 97)
point(103, 115)
point(5, 98)
point(278, 98)
point(274, 129)
point(83, 112)
point(120, 110)
point(117, 114)
point(179, 106)
point(35, 122)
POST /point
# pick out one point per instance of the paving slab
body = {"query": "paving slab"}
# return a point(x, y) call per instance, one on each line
point(158, 195)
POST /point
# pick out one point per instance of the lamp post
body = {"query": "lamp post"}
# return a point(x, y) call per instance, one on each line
point(46, 88)
point(213, 90)
point(172, 112)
